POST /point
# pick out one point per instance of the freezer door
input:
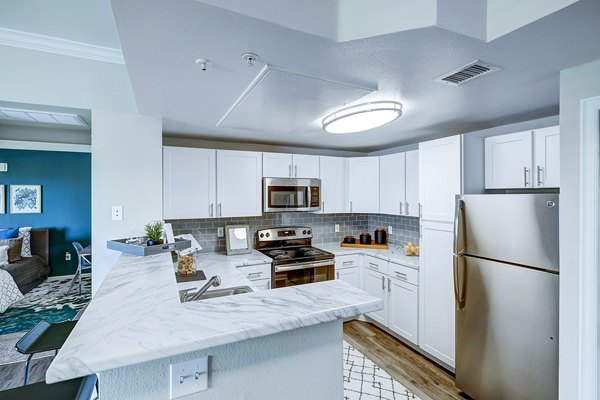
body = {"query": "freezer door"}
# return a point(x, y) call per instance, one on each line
point(515, 228)
point(507, 332)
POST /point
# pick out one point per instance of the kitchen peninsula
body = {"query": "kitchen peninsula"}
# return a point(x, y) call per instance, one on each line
point(264, 344)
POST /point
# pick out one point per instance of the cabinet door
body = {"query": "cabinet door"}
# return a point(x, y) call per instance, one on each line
point(239, 183)
point(349, 275)
point(363, 185)
point(262, 284)
point(411, 204)
point(392, 184)
point(436, 292)
point(189, 183)
point(305, 166)
point(546, 156)
point(403, 309)
point(440, 178)
point(334, 184)
point(375, 284)
point(508, 160)
point(277, 165)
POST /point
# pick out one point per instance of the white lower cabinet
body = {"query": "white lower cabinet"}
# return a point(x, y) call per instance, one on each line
point(258, 274)
point(374, 283)
point(349, 275)
point(262, 284)
point(403, 312)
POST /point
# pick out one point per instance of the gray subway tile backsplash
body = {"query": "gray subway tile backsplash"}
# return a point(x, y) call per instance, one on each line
point(404, 229)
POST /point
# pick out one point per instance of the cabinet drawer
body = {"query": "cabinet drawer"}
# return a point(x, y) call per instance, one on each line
point(404, 274)
point(255, 272)
point(376, 264)
point(350, 261)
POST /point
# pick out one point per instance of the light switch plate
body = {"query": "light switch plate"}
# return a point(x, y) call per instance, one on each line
point(390, 230)
point(337, 227)
point(3, 167)
point(188, 377)
point(220, 232)
point(117, 213)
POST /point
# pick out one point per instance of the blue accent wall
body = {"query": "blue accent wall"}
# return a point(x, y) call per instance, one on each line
point(66, 180)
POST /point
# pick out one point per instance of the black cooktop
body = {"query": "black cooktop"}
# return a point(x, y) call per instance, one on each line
point(292, 255)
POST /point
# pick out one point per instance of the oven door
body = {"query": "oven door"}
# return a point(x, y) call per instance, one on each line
point(300, 274)
point(286, 194)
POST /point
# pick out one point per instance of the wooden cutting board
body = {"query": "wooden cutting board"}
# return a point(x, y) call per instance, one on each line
point(365, 246)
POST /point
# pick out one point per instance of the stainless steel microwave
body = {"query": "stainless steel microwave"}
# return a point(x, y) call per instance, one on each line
point(290, 194)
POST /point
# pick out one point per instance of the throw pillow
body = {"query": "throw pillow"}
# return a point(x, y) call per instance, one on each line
point(9, 233)
point(25, 233)
point(9, 291)
point(3, 255)
point(14, 248)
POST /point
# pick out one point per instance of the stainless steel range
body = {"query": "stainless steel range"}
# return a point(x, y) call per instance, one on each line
point(295, 261)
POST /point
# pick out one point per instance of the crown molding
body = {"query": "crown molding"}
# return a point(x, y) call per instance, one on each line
point(44, 146)
point(51, 44)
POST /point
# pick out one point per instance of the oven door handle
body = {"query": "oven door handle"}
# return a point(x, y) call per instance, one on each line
point(293, 267)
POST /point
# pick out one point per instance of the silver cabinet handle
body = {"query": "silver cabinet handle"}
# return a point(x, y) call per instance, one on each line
point(255, 274)
point(400, 208)
point(383, 282)
point(406, 209)
point(347, 262)
point(269, 284)
point(296, 171)
point(219, 210)
point(323, 206)
point(290, 170)
point(350, 205)
point(420, 210)
point(337, 274)
point(539, 176)
point(400, 273)
point(525, 172)
point(375, 266)
point(211, 209)
point(389, 285)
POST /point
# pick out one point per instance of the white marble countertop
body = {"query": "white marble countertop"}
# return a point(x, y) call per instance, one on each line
point(394, 253)
point(136, 315)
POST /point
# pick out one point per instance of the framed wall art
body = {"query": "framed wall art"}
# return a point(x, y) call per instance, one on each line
point(25, 199)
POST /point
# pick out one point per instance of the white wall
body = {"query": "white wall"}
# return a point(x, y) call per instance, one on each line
point(359, 19)
point(126, 171)
point(576, 84)
point(504, 16)
point(302, 364)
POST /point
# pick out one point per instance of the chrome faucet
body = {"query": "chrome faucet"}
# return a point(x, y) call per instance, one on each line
point(214, 281)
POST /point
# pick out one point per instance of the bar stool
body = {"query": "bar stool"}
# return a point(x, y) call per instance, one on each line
point(74, 389)
point(43, 337)
point(83, 263)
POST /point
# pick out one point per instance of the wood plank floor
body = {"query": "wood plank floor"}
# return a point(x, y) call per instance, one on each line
point(420, 375)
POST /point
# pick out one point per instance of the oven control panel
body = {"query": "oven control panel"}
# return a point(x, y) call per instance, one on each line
point(284, 233)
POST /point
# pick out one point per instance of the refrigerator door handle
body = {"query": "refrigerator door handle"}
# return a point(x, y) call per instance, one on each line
point(458, 257)
point(459, 281)
point(459, 220)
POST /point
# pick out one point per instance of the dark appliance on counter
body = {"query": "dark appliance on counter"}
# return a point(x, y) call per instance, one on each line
point(349, 239)
point(380, 236)
point(365, 238)
point(295, 261)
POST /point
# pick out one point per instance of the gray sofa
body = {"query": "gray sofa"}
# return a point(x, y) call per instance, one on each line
point(31, 271)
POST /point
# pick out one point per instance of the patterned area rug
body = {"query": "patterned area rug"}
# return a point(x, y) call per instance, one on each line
point(47, 302)
point(363, 380)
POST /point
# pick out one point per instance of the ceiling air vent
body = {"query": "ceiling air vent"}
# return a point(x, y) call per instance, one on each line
point(467, 73)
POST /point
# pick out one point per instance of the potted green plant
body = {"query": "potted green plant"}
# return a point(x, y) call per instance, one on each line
point(154, 233)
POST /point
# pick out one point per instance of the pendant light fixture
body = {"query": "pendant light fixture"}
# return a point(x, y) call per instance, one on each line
point(362, 117)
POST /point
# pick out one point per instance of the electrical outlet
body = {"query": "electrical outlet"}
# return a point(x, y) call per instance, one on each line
point(220, 232)
point(67, 256)
point(390, 229)
point(188, 377)
point(117, 213)
point(337, 227)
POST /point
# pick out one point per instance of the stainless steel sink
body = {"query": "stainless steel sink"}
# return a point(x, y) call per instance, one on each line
point(211, 294)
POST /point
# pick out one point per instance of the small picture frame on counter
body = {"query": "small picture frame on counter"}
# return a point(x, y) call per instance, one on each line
point(237, 239)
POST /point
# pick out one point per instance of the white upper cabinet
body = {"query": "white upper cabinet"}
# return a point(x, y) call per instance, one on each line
point(305, 166)
point(363, 184)
point(508, 160)
point(546, 157)
point(334, 184)
point(189, 184)
point(239, 183)
point(440, 178)
point(523, 160)
point(411, 204)
point(281, 165)
point(277, 165)
point(392, 184)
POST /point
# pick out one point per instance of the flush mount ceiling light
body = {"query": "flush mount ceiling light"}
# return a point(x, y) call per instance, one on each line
point(362, 117)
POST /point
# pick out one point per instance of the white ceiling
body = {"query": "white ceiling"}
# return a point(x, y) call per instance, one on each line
point(161, 41)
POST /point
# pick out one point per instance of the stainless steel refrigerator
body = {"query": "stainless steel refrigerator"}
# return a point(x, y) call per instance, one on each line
point(506, 266)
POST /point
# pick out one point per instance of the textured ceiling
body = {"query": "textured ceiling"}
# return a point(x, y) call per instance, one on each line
point(161, 40)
